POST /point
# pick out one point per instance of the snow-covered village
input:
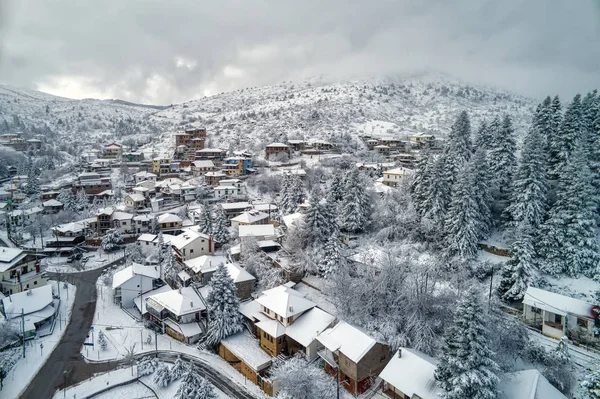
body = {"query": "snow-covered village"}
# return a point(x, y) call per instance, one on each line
point(421, 235)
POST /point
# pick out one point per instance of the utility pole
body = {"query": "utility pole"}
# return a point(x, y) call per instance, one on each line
point(490, 294)
point(58, 283)
point(23, 329)
point(155, 343)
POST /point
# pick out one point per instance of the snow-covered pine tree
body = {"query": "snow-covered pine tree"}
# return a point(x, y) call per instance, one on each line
point(466, 369)
point(111, 240)
point(588, 112)
point(436, 196)
point(320, 221)
point(529, 202)
point(194, 386)
point(33, 184)
point(205, 221)
point(421, 180)
point(162, 249)
point(554, 139)
point(517, 272)
point(286, 202)
point(568, 240)
point(571, 131)
point(178, 369)
point(503, 163)
point(147, 366)
point(594, 150)
point(493, 132)
point(220, 230)
point(154, 227)
point(81, 199)
point(300, 379)
point(223, 304)
point(589, 387)
point(162, 376)
point(458, 146)
point(67, 198)
point(559, 368)
point(482, 137)
point(171, 267)
point(542, 121)
point(336, 188)
point(482, 192)
point(356, 206)
point(296, 190)
point(462, 223)
point(332, 255)
point(102, 342)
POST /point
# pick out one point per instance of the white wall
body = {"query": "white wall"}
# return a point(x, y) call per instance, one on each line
point(131, 289)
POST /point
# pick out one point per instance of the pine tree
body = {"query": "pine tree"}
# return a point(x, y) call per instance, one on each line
point(436, 196)
point(517, 272)
point(494, 129)
point(111, 240)
point(458, 146)
point(483, 138)
point(594, 150)
point(102, 340)
point(422, 180)
point(462, 223)
point(320, 220)
point(589, 387)
point(356, 206)
point(147, 366)
point(296, 190)
point(154, 227)
point(571, 131)
point(67, 198)
point(554, 139)
point(223, 304)
point(568, 240)
point(482, 192)
point(171, 266)
point(336, 189)
point(194, 386)
point(286, 202)
point(332, 255)
point(33, 185)
point(205, 222)
point(178, 369)
point(529, 201)
point(466, 369)
point(220, 226)
point(503, 161)
point(162, 376)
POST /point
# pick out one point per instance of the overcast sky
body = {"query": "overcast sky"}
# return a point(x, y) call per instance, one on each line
point(166, 51)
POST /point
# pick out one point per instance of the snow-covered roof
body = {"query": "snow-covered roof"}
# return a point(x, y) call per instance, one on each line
point(285, 302)
point(29, 301)
point(141, 305)
point(232, 188)
point(264, 207)
point(179, 302)
point(147, 237)
point(210, 150)
point(289, 220)
point(203, 164)
point(10, 257)
point(169, 218)
point(260, 230)
point(412, 373)
point(136, 197)
point(214, 174)
point(528, 384)
point(144, 174)
point(399, 171)
point(238, 274)
point(183, 276)
point(278, 145)
point(250, 217)
point(205, 263)
point(185, 329)
point(140, 189)
point(253, 311)
point(247, 349)
point(349, 340)
point(272, 327)
point(305, 329)
point(236, 205)
point(143, 218)
point(556, 303)
point(52, 203)
point(187, 237)
point(136, 269)
point(122, 216)
point(268, 243)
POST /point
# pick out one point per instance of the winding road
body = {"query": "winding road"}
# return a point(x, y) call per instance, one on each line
point(66, 366)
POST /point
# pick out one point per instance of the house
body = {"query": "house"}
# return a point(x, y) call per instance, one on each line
point(274, 150)
point(527, 384)
point(109, 218)
point(148, 243)
point(20, 271)
point(391, 142)
point(156, 162)
point(229, 188)
point(259, 232)
point(178, 312)
point(52, 206)
point(169, 223)
point(92, 183)
point(144, 176)
point(132, 156)
point(199, 168)
point(232, 209)
point(292, 220)
point(244, 354)
point(214, 154)
point(393, 177)
point(203, 267)
point(112, 151)
point(123, 222)
point(135, 201)
point(213, 178)
point(382, 149)
point(244, 281)
point(237, 165)
point(191, 244)
point(321, 144)
point(297, 145)
point(264, 207)
point(410, 374)
point(422, 140)
point(360, 357)
point(406, 159)
point(35, 308)
point(556, 314)
point(250, 218)
point(133, 281)
point(141, 223)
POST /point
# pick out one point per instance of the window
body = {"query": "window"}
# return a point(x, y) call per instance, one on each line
point(35, 282)
point(581, 322)
point(382, 358)
point(557, 318)
point(191, 251)
point(347, 362)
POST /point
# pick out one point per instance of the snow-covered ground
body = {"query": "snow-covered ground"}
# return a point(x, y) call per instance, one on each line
point(35, 357)
point(123, 331)
point(98, 383)
point(95, 260)
point(135, 390)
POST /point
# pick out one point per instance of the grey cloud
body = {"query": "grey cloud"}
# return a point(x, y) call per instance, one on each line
point(163, 52)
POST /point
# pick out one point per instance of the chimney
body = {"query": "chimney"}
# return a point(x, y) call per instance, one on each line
point(399, 353)
point(291, 308)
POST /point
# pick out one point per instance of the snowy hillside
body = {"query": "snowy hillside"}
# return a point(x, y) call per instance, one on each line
point(249, 118)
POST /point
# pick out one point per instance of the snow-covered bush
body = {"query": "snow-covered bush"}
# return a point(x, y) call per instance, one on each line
point(162, 376)
point(178, 369)
point(112, 240)
point(194, 386)
point(300, 380)
point(102, 340)
point(147, 366)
